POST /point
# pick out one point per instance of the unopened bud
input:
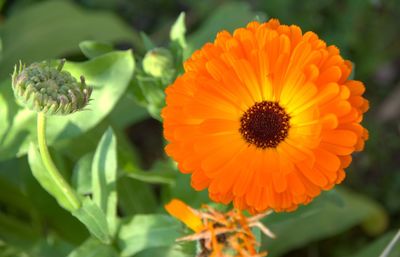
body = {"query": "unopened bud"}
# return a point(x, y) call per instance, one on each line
point(158, 63)
point(44, 88)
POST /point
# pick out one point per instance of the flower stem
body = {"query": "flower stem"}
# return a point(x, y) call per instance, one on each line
point(390, 246)
point(53, 173)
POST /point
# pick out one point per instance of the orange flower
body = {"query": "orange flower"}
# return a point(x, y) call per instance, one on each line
point(220, 234)
point(266, 117)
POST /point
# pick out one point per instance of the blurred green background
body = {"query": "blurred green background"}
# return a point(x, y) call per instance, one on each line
point(367, 33)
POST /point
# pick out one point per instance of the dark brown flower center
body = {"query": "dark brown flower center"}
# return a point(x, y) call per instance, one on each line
point(265, 124)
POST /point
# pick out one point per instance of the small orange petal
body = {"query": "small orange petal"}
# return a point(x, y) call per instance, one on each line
point(184, 213)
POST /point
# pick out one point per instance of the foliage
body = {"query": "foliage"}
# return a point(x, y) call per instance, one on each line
point(122, 195)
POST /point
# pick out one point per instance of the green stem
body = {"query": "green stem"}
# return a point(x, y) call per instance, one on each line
point(391, 245)
point(52, 170)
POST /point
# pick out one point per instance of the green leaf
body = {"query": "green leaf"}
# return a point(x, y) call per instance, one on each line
point(16, 233)
point(94, 219)
point(178, 30)
point(153, 93)
point(54, 29)
point(119, 118)
point(153, 177)
point(2, 2)
point(51, 246)
point(93, 248)
point(9, 251)
point(147, 231)
point(161, 173)
point(109, 75)
point(4, 112)
point(334, 197)
point(173, 251)
point(321, 219)
point(11, 137)
point(104, 174)
point(82, 175)
point(20, 234)
point(45, 180)
point(221, 19)
point(258, 236)
point(88, 215)
point(47, 212)
point(92, 49)
point(375, 248)
point(183, 191)
point(13, 196)
point(177, 47)
point(135, 196)
point(147, 42)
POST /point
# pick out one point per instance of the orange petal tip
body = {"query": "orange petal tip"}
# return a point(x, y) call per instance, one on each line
point(185, 214)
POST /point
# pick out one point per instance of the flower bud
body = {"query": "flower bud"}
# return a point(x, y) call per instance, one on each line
point(44, 88)
point(158, 63)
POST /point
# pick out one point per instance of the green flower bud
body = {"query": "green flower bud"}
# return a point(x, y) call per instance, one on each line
point(44, 88)
point(158, 63)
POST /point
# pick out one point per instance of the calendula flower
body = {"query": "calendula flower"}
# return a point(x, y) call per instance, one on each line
point(220, 234)
point(266, 117)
